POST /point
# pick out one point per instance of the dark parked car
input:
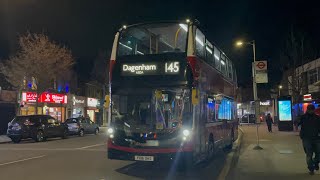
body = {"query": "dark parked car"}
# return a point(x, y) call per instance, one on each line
point(37, 127)
point(248, 118)
point(81, 126)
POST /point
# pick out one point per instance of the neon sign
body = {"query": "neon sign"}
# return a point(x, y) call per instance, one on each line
point(29, 97)
point(53, 98)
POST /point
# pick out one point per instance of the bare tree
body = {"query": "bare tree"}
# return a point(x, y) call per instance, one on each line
point(100, 70)
point(297, 51)
point(38, 60)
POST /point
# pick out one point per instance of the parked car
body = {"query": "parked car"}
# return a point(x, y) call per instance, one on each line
point(37, 127)
point(248, 118)
point(82, 126)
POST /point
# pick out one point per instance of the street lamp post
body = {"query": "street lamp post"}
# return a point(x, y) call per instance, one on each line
point(280, 87)
point(254, 84)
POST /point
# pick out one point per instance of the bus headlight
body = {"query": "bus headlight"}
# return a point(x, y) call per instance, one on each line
point(110, 130)
point(186, 132)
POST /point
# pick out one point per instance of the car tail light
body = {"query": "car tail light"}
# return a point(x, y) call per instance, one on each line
point(28, 123)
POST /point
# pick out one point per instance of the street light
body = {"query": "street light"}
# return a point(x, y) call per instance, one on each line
point(239, 43)
point(280, 87)
point(254, 84)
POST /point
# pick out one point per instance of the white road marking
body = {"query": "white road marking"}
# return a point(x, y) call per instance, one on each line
point(85, 147)
point(21, 160)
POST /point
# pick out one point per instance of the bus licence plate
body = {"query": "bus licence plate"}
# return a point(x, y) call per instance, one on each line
point(144, 158)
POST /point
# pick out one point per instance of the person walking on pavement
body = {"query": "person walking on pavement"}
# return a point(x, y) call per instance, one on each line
point(310, 135)
point(269, 122)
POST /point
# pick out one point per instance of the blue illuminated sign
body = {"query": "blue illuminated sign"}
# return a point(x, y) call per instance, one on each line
point(285, 110)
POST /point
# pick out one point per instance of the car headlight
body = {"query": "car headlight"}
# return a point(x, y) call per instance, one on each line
point(110, 130)
point(186, 132)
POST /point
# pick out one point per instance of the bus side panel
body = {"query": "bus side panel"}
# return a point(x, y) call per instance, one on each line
point(216, 129)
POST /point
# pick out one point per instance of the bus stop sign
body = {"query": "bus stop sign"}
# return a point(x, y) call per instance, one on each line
point(261, 71)
point(261, 65)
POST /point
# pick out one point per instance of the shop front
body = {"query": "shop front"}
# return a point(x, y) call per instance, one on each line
point(52, 104)
point(28, 102)
point(78, 106)
point(266, 107)
point(92, 108)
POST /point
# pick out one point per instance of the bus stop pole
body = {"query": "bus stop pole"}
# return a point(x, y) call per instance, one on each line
point(255, 95)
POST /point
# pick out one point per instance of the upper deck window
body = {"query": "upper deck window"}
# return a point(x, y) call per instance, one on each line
point(153, 39)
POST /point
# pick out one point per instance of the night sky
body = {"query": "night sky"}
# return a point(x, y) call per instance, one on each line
point(87, 26)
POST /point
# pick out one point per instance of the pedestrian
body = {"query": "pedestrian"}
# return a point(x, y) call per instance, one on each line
point(310, 135)
point(269, 122)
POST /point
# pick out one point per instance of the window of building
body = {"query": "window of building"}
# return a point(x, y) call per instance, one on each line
point(312, 76)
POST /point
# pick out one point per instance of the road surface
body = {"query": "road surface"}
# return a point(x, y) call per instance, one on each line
point(85, 158)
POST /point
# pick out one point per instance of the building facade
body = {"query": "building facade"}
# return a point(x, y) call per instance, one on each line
point(303, 85)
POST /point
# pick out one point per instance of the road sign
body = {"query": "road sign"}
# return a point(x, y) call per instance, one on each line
point(261, 65)
point(261, 71)
point(261, 78)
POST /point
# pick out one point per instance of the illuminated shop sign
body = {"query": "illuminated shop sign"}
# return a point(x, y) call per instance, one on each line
point(92, 102)
point(307, 97)
point(78, 100)
point(29, 97)
point(266, 103)
point(137, 69)
point(53, 98)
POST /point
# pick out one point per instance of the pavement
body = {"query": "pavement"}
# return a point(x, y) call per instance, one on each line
point(85, 158)
point(282, 156)
point(4, 139)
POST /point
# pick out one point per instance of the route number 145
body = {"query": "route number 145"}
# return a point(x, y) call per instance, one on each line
point(172, 67)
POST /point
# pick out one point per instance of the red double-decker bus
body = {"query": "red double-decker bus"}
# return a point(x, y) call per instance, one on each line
point(172, 94)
